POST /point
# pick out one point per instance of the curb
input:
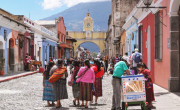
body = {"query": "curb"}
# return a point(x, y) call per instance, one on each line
point(15, 77)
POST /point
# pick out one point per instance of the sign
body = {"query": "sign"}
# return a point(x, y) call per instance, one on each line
point(133, 88)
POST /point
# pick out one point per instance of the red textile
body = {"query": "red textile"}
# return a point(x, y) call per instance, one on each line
point(98, 74)
point(149, 86)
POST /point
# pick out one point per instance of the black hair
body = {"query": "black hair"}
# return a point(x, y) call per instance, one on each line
point(133, 51)
point(126, 53)
point(87, 63)
point(76, 63)
point(97, 62)
point(59, 62)
point(143, 65)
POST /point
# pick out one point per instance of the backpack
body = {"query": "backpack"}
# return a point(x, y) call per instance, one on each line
point(137, 58)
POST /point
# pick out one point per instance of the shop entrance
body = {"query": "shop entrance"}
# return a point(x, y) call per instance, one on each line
point(11, 54)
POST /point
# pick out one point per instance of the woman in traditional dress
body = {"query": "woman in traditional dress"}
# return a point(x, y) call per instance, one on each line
point(85, 78)
point(48, 93)
point(148, 84)
point(60, 88)
point(75, 87)
point(99, 72)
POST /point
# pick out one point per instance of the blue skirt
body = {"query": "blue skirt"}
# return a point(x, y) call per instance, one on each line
point(48, 92)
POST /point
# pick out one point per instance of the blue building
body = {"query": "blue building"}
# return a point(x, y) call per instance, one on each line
point(4, 32)
point(132, 34)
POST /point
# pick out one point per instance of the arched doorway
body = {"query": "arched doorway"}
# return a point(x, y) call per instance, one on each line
point(88, 50)
point(1, 50)
point(11, 54)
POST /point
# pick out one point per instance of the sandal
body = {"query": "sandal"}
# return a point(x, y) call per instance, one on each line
point(74, 102)
point(82, 105)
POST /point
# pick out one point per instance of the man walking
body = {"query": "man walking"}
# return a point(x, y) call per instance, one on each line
point(136, 58)
point(119, 70)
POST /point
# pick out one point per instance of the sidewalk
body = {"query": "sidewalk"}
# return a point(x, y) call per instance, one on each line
point(14, 76)
point(165, 100)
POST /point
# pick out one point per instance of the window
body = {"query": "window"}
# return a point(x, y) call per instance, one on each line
point(61, 38)
point(158, 36)
point(5, 35)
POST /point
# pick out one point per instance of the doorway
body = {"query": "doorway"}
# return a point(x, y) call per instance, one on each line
point(149, 47)
point(179, 47)
point(11, 54)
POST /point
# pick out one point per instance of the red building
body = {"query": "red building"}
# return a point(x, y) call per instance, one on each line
point(147, 30)
point(159, 39)
point(61, 34)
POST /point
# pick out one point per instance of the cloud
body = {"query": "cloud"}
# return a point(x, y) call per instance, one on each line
point(70, 3)
point(52, 4)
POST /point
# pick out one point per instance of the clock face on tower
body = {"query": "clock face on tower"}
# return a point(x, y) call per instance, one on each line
point(88, 25)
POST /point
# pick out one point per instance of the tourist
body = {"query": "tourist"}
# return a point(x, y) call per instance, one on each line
point(75, 87)
point(45, 63)
point(48, 93)
point(148, 84)
point(119, 70)
point(99, 72)
point(85, 78)
point(106, 63)
point(126, 57)
point(111, 69)
point(136, 58)
point(59, 86)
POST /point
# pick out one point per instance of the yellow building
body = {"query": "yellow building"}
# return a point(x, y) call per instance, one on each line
point(123, 43)
point(88, 35)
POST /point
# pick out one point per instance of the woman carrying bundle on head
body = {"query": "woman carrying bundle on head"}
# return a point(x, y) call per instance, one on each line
point(99, 72)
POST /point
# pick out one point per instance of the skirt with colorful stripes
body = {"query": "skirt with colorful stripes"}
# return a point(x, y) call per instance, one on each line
point(48, 93)
point(60, 89)
point(98, 87)
point(85, 91)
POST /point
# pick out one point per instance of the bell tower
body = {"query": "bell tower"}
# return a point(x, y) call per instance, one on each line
point(88, 23)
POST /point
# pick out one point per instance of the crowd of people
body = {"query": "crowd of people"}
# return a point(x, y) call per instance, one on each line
point(86, 79)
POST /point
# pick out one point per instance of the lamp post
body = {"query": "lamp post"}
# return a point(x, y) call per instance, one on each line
point(148, 3)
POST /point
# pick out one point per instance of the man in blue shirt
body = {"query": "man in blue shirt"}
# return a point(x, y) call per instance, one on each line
point(119, 70)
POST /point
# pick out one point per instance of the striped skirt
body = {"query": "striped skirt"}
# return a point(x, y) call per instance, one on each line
point(98, 87)
point(76, 90)
point(48, 93)
point(85, 91)
point(60, 89)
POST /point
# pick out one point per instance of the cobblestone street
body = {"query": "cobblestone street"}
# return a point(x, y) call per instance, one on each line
point(26, 94)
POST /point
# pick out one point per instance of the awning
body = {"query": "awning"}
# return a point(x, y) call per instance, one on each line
point(65, 46)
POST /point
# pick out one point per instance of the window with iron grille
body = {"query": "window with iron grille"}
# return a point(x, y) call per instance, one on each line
point(158, 35)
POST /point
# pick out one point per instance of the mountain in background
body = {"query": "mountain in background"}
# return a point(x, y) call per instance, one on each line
point(74, 16)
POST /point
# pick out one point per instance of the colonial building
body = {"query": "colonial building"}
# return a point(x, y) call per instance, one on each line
point(88, 35)
point(120, 10)
point(157, 39)
point(11, 33)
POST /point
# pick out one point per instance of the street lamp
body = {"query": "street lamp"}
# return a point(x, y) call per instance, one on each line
point(147, 2)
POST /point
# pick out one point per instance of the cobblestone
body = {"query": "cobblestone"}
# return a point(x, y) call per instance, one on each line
point(25, 93)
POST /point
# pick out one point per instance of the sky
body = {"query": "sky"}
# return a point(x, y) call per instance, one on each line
point(38, 9)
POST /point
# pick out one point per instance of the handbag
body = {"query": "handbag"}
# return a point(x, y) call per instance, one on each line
point(57, 74)
point(81, 76)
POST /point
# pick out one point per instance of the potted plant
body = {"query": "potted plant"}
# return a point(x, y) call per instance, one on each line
point(2, 61)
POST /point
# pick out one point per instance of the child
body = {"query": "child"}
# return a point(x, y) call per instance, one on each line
point(111, 69)
point(148, 83)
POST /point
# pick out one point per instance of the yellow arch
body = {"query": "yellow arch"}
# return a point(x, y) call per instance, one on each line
point(95, 37)
point(99, 43)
